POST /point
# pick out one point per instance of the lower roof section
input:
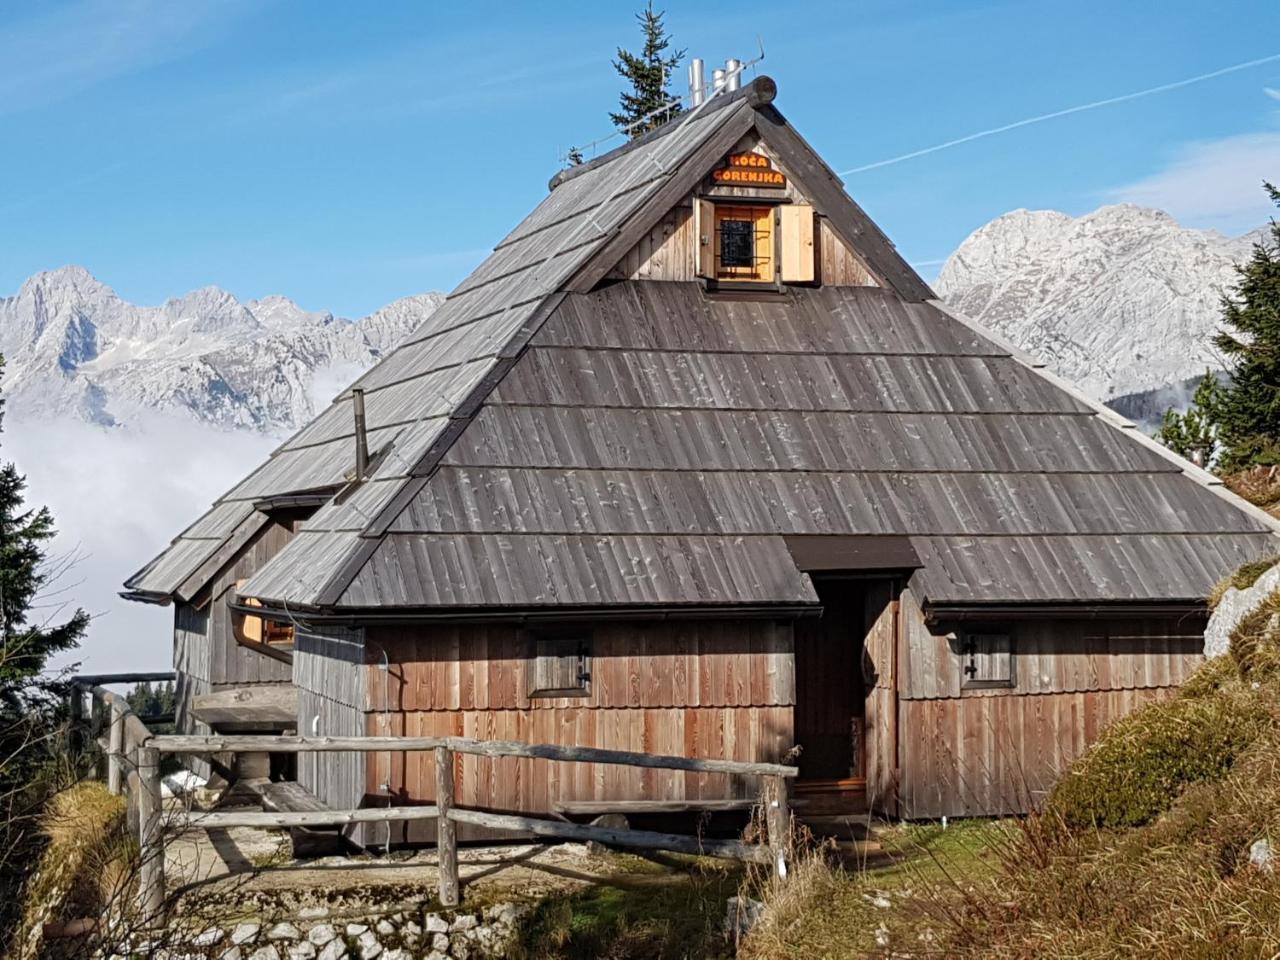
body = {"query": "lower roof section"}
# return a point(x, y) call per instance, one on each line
point(1166, 568)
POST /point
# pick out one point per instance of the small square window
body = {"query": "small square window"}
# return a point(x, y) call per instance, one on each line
point(561, 666)
point(744, 243)
point(737, 243)
point(987, 660)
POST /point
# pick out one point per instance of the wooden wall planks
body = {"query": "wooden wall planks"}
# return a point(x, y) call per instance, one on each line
point(1056, 656)
point(881, 715)
point(987, 756)
point(694, 688)
point(667, 252)
point(229, 663)
point(966, 752)
point(730, 663)
point(512, 784)
point(838, 265)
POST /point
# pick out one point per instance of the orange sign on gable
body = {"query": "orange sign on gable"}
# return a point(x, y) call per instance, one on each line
point(748, 170)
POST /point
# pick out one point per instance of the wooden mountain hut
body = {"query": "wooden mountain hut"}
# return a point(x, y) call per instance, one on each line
point(695, 463)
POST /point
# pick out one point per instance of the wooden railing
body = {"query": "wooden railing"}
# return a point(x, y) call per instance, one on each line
point(138, 751)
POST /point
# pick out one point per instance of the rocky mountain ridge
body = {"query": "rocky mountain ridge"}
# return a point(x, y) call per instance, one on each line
point(1121, 301)
point(72, 345)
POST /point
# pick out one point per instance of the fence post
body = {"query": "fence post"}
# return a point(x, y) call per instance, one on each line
point(446, 829)
point(75, 730)
point(115, 747)
point(777, 814)
point(150, 838)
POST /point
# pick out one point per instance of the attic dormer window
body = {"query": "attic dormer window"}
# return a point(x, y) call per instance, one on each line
point(744, 243)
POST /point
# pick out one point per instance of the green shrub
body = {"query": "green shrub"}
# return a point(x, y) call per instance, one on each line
point(1144, 761)
point(1211, 677)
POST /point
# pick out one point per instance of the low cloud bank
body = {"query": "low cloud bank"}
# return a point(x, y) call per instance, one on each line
point(118, 496)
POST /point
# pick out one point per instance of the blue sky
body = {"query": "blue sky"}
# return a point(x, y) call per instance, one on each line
point(348, 154)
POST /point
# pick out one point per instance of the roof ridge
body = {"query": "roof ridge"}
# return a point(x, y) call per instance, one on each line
point(759, 92)
point(1196, 474)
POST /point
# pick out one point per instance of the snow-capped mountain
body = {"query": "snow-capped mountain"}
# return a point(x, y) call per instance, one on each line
point(72, 345)
point(1123, 300)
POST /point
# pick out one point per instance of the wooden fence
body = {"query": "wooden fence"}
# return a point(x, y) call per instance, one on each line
point(133, 761)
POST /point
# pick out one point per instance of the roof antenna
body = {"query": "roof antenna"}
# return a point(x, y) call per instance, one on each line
point(362, 440)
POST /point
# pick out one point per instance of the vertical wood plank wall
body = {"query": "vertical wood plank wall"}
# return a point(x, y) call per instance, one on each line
point(693, 688)
point(994, 751)
point(206, 655)
point(329, 672)
point(881, 718)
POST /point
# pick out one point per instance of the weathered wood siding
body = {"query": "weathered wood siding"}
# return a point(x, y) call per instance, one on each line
point(206, 655)
point(230, 663)
point(987, 756)
point(694, 688)
point(329, 672)
point(881, 718)
point(837, 265)
point(965, 751)
point(191, 663)
point(667, 252)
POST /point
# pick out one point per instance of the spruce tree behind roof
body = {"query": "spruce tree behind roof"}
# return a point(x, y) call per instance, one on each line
point(649, 73)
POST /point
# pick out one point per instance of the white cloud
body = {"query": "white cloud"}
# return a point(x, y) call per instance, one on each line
point(1271, 92)
point(1213, 184)
point(118, 497)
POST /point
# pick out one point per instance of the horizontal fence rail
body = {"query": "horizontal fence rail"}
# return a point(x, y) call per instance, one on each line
point(468, 745)
point(133, 759)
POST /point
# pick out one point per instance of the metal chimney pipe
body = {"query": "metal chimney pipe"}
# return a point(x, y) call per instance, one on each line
point(717, 81)
point(697, 84)
point(362, 439)
point(732, 74)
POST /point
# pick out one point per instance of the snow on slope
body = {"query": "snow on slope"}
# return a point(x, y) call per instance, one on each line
point(1123, 300)
point(71, 345)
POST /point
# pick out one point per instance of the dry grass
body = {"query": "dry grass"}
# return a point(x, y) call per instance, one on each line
point(828, 911)
point(1259, 485)
point(85, 869)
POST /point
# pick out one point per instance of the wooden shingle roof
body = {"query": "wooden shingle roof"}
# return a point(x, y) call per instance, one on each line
point(560, 443)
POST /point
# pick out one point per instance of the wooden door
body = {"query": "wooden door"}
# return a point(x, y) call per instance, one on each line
point(829, 683)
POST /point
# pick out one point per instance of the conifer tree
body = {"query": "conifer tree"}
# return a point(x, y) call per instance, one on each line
point(31, 703)
point(28, 633)
point(1247, 413)
point(649, 73)
point(1194, 434)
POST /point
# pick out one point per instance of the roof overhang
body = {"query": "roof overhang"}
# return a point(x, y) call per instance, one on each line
point(547, 614)
point(1125, 609)
point(843, 553)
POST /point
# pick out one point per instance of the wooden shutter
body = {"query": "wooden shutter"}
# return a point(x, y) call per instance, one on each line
point(988, 660)
point(704, 226)
point(559, 667)
point(798, 248)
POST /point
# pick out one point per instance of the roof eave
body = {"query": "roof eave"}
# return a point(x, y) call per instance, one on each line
point(937, 612)
point(528, 614)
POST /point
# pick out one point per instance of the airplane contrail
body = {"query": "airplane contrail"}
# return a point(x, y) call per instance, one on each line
point(1080, 108)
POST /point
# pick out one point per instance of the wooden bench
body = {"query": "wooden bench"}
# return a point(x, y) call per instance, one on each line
point(595, 808)
point(287, 796)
